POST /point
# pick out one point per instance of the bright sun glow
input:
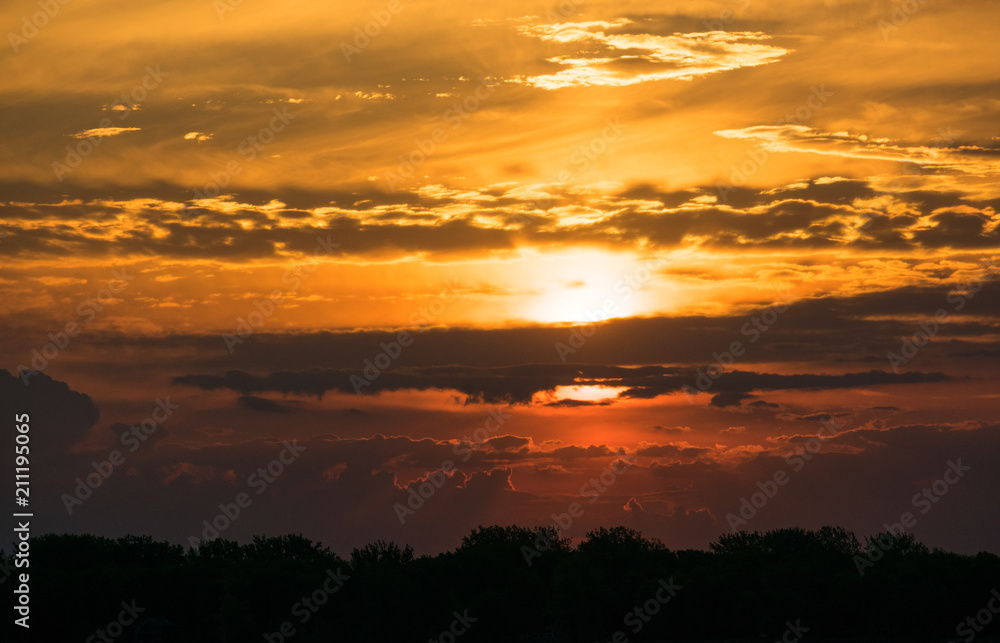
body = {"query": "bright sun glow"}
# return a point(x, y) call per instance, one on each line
point(585, 393)
point(589, 286)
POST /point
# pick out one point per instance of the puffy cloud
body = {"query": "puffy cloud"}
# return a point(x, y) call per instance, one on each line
point(198, 137)
point(508, 443)
point(60, 418)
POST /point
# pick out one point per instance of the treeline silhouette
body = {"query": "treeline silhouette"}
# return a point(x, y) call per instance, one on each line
point(748, 585)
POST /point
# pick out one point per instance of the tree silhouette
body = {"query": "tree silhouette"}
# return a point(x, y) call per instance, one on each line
point(747, 584)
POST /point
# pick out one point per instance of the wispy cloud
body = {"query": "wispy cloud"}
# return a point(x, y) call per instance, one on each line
point(104, 132)
point(969, 159)
point(621, 59)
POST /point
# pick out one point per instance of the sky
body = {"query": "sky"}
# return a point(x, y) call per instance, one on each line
point(398, 269)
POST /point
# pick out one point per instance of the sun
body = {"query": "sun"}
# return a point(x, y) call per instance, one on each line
point(579, 394)
point(587, 393)
point(586, 287)
point(579, 303)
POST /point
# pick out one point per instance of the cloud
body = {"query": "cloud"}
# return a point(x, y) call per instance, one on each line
point(577, 403)
point(104, 132)
point(860, 478)
point(871, 224)
point(198, 137)
point(851, 332)
point(508, 443)
point(632, 505)
point(264, 405)
point(969, 159)
point(119, 430)
point(673, 429)
point(59, 417)
point(574, 452)
point(605, 55)
point(60, 281)
point(807, 215)
point(730, 398)
point(682, 450)
point(519, 384)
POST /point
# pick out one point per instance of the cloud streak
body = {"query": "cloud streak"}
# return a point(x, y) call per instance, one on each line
point(105, 132)
point(621, 59)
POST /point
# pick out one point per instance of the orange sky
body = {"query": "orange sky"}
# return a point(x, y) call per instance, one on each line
point(570, 208)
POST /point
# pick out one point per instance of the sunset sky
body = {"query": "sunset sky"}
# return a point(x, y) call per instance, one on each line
point(518, 242)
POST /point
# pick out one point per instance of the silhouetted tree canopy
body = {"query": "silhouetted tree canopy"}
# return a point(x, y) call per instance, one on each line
point(517, 583)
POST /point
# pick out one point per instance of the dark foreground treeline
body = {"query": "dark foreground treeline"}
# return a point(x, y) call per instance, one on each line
point(614, 586)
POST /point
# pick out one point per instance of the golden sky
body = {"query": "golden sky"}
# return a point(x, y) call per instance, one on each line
point(569, 208)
